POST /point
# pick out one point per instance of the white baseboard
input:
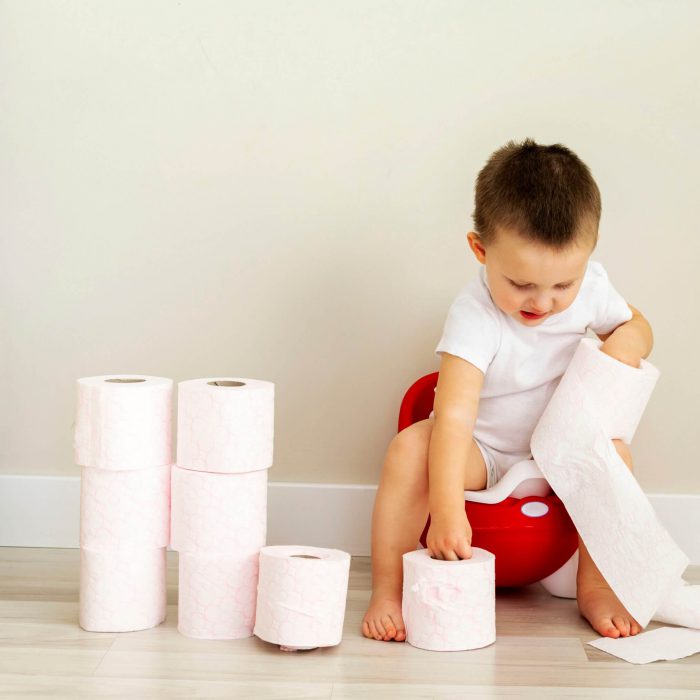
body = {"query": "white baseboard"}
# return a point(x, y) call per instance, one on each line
point(44, 511)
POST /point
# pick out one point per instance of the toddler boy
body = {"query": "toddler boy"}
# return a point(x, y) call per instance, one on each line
point(507, 340)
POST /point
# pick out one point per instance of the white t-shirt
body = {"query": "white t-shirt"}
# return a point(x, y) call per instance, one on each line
point(522, 365)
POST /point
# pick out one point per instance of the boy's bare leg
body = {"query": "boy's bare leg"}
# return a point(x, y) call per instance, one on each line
point(400, 513)
point(596, 600)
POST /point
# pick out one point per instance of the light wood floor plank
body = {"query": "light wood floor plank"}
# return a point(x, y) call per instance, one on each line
point(540, 651)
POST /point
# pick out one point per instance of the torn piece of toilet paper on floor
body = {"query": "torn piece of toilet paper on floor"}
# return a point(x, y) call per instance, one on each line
point(662, 644)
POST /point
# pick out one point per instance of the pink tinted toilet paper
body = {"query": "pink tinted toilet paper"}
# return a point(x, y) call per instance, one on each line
point(125, 509)
point(217, 595)
point(123, 422)
point(598, 399)
point(122, 590)
point(225, 513)
point(225, 424)
point(449, 605)
point(301, 596)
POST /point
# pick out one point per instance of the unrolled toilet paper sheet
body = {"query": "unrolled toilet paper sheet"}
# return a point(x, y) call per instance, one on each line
point(662, 644)
point(597, 400)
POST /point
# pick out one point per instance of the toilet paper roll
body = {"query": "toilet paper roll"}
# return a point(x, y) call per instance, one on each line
point(216, 598)
point(122, 590)
point(598, 399)
point(449, 605)
point(123, 422)
point(125, 509)
point(301, 596)
point(225, 424)
point(224, 513)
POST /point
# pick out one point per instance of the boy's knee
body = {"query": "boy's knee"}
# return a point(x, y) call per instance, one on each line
point(409, 448)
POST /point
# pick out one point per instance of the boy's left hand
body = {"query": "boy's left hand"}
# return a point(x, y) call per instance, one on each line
point(617, 347)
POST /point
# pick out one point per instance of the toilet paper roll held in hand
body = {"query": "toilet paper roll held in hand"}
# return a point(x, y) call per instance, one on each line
point(225, 424)
point(301, 596)
point(123, 422)
point(449, 605)
point(597, 400)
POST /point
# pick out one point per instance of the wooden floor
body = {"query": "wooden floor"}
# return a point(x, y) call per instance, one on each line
point(540, 651)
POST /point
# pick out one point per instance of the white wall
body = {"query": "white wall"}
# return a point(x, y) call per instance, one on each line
point(282, 191)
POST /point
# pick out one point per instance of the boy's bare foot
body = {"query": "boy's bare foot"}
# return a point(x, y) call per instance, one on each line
point(383, 620)
point(602, 608)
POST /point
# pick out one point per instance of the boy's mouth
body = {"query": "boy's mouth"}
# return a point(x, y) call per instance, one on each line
point(528, 315)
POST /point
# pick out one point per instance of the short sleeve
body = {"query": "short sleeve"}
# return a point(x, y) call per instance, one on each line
point(611, 309)
point(472, 332)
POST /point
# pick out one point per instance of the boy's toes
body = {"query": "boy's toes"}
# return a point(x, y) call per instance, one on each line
point(622, 624)
point(394, 631)
point(607, 628)
point(377, 630)
point(400, 635)
point(389, 628)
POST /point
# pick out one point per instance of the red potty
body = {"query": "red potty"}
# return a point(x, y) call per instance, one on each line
point(531, 537)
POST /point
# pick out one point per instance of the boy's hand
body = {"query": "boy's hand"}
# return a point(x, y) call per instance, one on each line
point(450, 536)
point(616, 346)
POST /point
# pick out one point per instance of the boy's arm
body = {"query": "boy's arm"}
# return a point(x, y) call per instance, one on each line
point(630, 341)
point(456, 405)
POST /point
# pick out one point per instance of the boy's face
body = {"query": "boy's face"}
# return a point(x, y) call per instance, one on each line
point(528, 277)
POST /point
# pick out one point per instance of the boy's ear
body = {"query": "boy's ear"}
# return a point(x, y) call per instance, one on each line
point(476, 246)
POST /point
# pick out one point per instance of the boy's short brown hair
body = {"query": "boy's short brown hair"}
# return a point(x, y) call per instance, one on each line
point(545, 192)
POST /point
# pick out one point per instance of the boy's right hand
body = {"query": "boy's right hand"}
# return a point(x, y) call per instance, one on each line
point(450, 536)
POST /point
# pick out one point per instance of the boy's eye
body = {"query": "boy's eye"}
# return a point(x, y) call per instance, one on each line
point(525, 286)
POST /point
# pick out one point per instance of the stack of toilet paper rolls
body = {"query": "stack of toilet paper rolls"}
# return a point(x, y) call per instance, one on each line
point(219, 502)
point(122, 441)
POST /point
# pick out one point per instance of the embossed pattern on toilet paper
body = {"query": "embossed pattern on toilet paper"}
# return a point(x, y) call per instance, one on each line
point(449, 605)
point(125, 509)
point(217, 595)
point(224, 428)
point(573, 448)
point(213, 512)
point(123, 426)
point(122, 590)
point(301, 602)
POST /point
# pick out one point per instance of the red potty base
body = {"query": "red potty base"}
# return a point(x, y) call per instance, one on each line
point(531, 537)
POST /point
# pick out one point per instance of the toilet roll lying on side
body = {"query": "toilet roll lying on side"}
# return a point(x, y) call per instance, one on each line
point(225, 424)
point(449, 605)
point(125, 509)
point(225, 513)
point(123, 422)
point(216, 598)
point(598, 399)
point(122, 590)
point(301, 596)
